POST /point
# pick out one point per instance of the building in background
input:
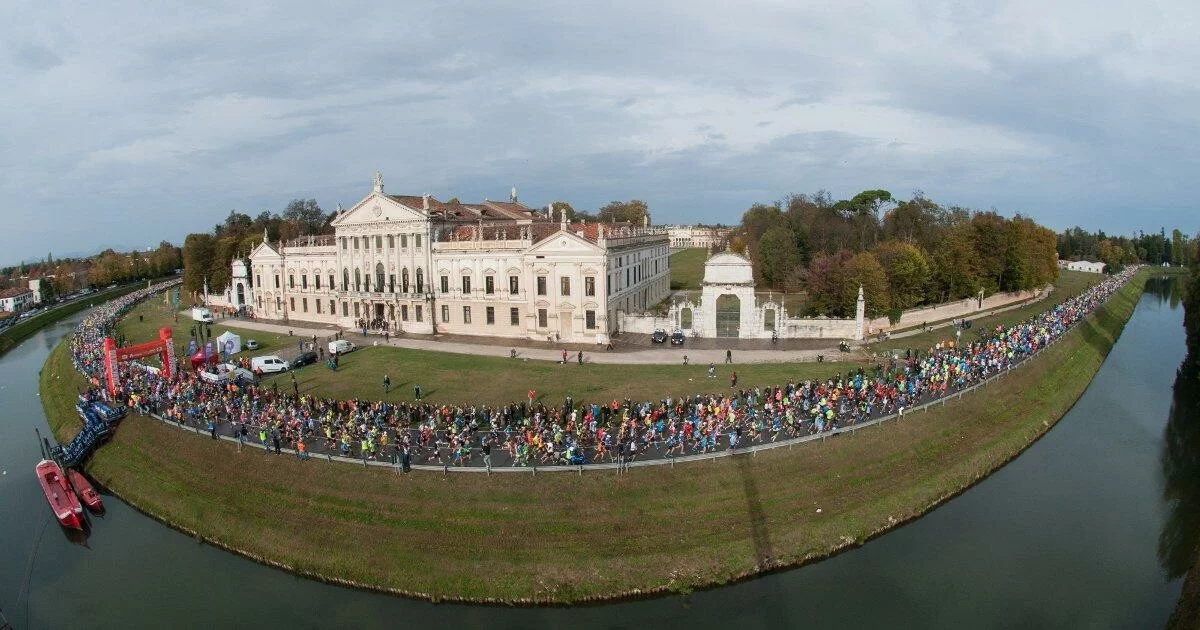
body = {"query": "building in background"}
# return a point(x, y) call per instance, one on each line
point(497, 268)
point(16, 299)
point(1082, 265)
point(685, 236)
point(36, 286)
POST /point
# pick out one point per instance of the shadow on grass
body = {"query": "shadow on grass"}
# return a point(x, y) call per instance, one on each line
point(759, 536)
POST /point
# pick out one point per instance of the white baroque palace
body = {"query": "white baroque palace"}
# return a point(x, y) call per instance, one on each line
point(494, 268)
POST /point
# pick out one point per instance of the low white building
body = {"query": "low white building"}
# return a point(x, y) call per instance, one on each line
point(36, 286)
point(16, 299)
point(494, 268)
point(1082, 265)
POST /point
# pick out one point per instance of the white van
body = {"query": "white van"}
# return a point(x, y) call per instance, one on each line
point(340, 346)
point(269, 364)
point(202, 315)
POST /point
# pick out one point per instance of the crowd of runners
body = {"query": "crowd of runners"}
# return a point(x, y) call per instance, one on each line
point(529, 433)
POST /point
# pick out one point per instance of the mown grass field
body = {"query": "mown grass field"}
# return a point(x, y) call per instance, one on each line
point(1069, 284)
point(570, 538)
point(459, 378)
point(687, 268)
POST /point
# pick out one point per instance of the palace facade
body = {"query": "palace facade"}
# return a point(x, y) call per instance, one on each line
point(417, 264)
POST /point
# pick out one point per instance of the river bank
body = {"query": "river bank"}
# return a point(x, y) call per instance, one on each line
point(567, 539)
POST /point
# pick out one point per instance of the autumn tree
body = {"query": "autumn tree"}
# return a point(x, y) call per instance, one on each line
point(908, 272)
point(633, 211)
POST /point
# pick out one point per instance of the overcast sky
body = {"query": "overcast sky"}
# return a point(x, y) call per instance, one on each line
point(127, 123)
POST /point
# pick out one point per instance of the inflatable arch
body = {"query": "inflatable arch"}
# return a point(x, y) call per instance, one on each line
point(162, 347)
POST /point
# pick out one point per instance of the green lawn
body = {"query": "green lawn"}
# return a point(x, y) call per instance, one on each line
point(687, 268)
point(460, 378)
point(1069, 284)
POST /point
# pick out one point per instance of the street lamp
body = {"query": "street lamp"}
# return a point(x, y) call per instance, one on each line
point(432, 311)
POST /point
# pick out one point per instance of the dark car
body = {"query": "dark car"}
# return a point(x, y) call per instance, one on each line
point(659, 336)
point(305, 358)
point(677, 338)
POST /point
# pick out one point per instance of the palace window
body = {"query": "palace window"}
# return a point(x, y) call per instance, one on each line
point(391, 242)
point(304, 281)
point(379, 277)
point(357, 306)
point(489, 285)
point(331, 285)
point(357, 279)
point(466, 285)
point(589, 286)
point(541, 285)
point(514, 285)
point(345, 280)
point(404, 312)
point(317, 280)
point(404, 280)
point(345, 309)
point(542, 318)
point(379, 242)
point(278, 304)
point(491, 315)
point(292, 304)
point(420, 283)
point(355, 242)
point(391, 283)
point(304, 304)
point(514, 316)
point(333, 308)
point(291, 281)
point(564, 286)
point(417, 241)
point(445, 280)
point(403, 241)
point(590, 318)
point(342, 241)
point(466, 314)
point(366, 242)
point(276, 281)
point(420, 313)
point(257, 280)
point(445, 314)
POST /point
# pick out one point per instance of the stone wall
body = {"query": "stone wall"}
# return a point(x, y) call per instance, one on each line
point(952, 310)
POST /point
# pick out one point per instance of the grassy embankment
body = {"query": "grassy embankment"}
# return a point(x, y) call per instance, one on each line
point(19, 332)
point(567, 538)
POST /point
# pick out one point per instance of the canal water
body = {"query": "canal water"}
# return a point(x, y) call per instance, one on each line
point(1068, 535)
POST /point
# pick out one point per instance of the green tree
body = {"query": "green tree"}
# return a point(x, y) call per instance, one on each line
point(864, 270)
point(826, 281)
point(777, 256)
point(633, 211)
point(199, 250)
point(908, 272)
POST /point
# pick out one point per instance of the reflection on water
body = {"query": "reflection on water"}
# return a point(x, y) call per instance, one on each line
point(1177, 544)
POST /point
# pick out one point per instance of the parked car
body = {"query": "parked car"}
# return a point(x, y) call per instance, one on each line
point(305, 358)
point(341, 346)
point(251, 344)
point(268, 364)
point(658, 336)
point(677, 338)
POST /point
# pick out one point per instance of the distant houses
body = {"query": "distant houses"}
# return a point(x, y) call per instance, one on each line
point(16, 299)
point(1082, 265)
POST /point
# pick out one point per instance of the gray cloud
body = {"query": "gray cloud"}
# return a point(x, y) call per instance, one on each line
point(130, 123)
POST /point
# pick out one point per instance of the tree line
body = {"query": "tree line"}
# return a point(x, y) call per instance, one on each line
point(207, 255)
point(903, 253)
point(62, 276)
point(1117, 251)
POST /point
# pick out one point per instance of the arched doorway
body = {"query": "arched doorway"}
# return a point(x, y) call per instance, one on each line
point(241, 294)
point(729, 315)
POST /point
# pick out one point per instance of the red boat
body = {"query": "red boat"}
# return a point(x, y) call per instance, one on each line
point(86, 492)
point(62, 499)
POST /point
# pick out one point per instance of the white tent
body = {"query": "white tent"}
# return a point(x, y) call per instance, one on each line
point(229, 342)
